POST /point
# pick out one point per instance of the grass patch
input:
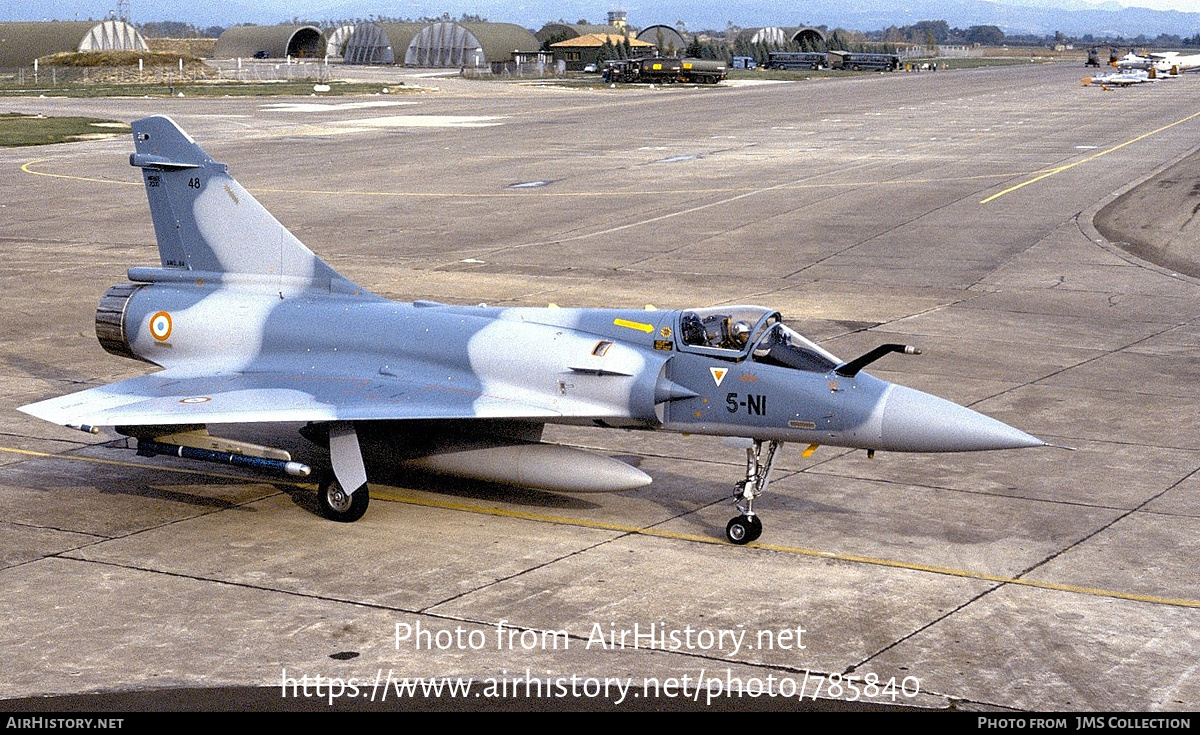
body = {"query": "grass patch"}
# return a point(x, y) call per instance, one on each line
point(786, 75)
point(21, 130)
point(202, 47)
point(978, 62)
point(943, 63)
point(118, 58)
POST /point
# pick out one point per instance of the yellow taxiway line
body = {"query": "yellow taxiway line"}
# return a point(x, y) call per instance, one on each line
point(1094, 156)
point(28, 168)
point(1039, 176)
point(380, 494)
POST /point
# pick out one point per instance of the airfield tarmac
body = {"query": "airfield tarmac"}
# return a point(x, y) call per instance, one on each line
point(948, 210)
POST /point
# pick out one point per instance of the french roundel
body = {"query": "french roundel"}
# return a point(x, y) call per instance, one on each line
point(160, 326)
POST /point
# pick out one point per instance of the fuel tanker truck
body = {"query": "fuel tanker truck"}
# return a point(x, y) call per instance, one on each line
point(665, 70)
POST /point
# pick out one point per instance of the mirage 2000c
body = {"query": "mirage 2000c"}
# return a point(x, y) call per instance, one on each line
point(249, 326)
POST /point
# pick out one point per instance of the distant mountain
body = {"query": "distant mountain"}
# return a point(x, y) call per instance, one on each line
point(1039, 17)
point(1065, 4)
point(1032, 16)
point(226, 13)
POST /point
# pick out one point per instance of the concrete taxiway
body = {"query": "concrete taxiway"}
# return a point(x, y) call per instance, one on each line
point(951, 211)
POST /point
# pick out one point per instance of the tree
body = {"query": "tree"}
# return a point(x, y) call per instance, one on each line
point(923, 29)
point(556, 38)
point(985, 35)
point(608, 50)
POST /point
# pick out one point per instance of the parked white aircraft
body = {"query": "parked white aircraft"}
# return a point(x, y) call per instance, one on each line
point(1163, 62)
point(1121, 78)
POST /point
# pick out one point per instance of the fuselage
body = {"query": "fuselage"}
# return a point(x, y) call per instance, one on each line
point(728, 371)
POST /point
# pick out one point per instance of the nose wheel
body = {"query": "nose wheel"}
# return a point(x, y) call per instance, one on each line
point(743, 529)
point(747, 527)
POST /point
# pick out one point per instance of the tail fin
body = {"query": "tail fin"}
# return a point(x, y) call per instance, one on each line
point(205, 221)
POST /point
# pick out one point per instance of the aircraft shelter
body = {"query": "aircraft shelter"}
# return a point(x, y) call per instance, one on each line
point(274, 42)
point(21, 43)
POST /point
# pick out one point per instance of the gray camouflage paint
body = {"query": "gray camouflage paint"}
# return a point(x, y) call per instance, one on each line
point(250, 326)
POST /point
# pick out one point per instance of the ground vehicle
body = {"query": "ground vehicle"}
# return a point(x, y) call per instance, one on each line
point(848, 60)
point(797, 60)
point(855, 61)
point(621, 70)
point(702, 71)
point(659, 69)
point(665, 70)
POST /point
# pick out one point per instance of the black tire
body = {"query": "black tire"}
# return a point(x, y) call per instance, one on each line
point(743, 529)
point(755, 527)
point(336, 505)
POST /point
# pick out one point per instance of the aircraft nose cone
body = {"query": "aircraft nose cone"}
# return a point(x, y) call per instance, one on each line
point(919, 422)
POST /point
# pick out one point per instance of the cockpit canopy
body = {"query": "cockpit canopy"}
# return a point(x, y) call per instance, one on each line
point(724, 327)
point(785, 347)
point(735, 332)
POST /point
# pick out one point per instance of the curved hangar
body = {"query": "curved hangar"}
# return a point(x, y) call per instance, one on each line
point(453, 44)
point(379, 43)
point(808, 37)
point(21, 43)
point(337, 38)
point(439, 45)
point(270, 42)
point(668, 40)
point(774, 36)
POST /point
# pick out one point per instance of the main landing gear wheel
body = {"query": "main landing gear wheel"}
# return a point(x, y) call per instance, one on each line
point(743, 529)
point(338, 505)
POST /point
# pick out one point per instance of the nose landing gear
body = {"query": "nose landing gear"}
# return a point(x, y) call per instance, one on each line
point(747, 527)
point(743, 529)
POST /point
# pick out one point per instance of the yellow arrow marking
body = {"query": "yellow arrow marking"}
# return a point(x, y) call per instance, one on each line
point(641, 327)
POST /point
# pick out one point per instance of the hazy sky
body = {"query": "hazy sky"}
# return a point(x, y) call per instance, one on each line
point(1187, 6)
point(228, 12)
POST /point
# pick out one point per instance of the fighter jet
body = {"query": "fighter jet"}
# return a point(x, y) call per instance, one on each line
point(249, 326)
point(1121, 79)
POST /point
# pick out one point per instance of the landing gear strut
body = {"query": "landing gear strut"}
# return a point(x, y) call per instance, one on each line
point(747, 527)
point(338, 504)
